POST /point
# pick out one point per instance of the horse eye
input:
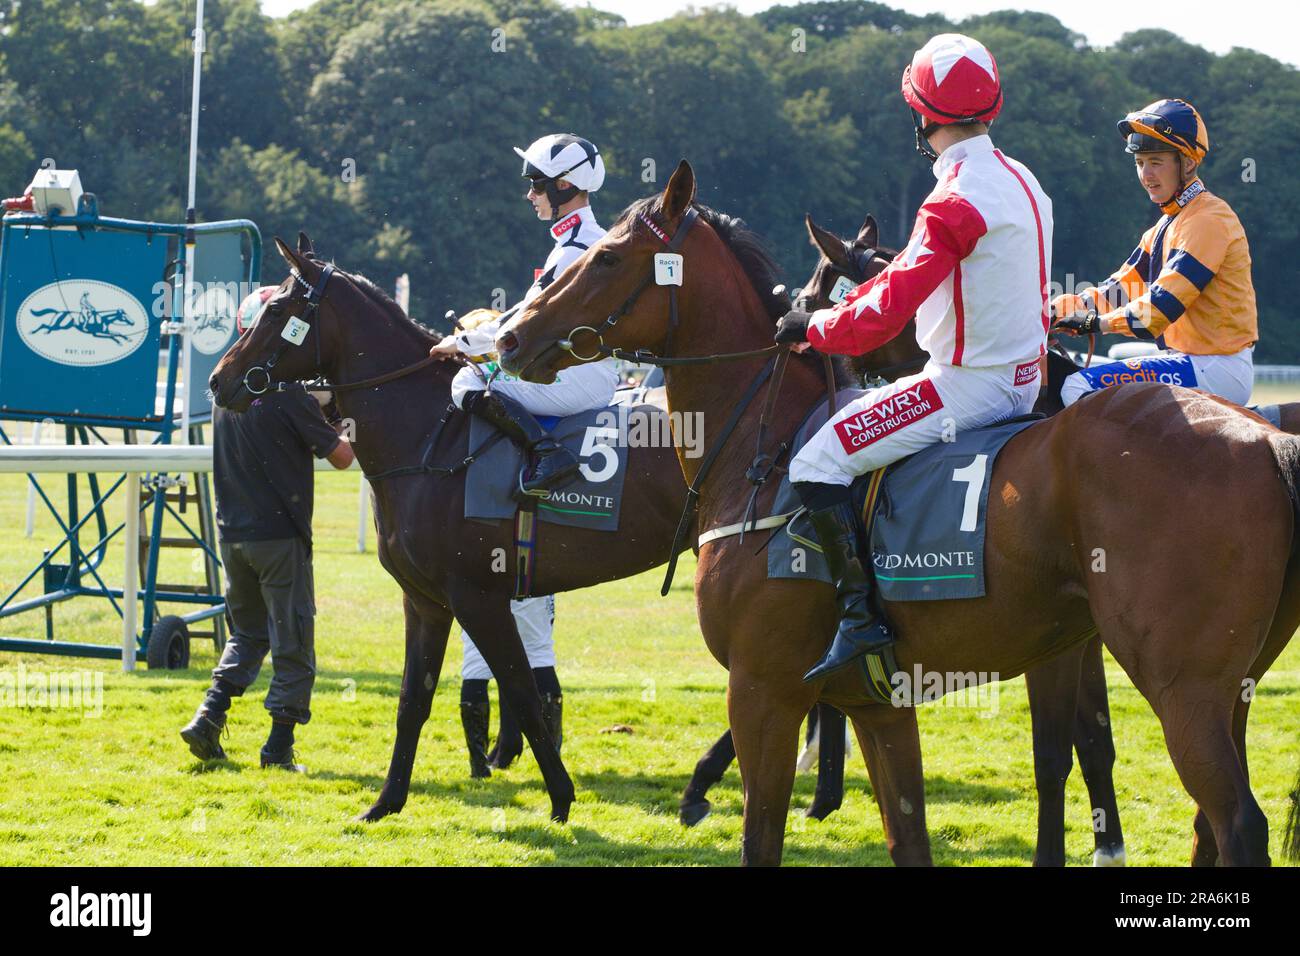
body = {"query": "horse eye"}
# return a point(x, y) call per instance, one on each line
point(276, 309)
point(607, 259)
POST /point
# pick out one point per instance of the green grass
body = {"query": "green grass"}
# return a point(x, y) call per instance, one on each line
point(122, 789)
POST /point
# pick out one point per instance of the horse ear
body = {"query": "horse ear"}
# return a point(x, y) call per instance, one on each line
point(869, 234)
point(293, 259)
point(831, 245)
point(304, 245)
point(680, 193)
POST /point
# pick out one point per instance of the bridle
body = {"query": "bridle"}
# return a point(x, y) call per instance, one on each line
point(315, 292)
point(645, 356)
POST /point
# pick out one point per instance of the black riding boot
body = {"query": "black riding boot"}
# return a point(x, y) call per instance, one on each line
point(861, 629)
point(553, 463)
point(475, 716)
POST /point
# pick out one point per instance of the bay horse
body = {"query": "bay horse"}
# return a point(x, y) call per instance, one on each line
point(411, 442)
point(1068, 705)
point(1075, 501)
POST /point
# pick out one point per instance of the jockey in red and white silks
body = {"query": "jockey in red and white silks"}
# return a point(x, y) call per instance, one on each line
point(975, 276)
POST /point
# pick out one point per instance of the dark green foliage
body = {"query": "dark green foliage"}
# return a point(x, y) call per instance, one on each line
point(795, 109)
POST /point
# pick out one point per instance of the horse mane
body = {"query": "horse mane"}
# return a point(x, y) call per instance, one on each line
point(389, 305)
point(756, 261)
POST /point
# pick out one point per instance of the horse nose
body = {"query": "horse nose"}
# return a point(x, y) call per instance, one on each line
point(213, 383)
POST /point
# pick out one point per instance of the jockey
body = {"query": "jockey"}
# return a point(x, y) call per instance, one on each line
point(1186, 286)
point(535, 622)
point(974, 274)
point(562, 170)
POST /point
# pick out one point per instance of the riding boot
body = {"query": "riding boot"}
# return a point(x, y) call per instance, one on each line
point(553, 464)
point(861, 629)
point(475, 717)
point(553, 717)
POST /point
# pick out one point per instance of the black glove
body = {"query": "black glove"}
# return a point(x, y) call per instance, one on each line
point(793, 327)
point(1087, 324)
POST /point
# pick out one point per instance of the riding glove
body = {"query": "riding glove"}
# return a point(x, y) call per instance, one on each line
point(1087, 324)
point(793, 327)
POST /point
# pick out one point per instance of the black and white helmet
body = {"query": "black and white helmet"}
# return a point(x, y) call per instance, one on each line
point(564, 156)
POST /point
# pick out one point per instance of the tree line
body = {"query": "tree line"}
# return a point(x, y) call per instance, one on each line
point(384, 127)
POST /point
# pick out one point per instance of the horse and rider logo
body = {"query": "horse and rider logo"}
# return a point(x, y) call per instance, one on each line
point(214, 320)
point(87, 322)
point(82, 322)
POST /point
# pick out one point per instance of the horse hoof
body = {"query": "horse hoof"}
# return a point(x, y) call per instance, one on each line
point(560, 814)
point(1108, 857)
point(377, 812)
point(692, 813)
point(819, 812)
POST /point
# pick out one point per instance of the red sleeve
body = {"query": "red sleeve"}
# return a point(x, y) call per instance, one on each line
point(947, 228)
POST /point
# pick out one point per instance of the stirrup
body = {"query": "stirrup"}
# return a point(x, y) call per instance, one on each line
point(542, 493)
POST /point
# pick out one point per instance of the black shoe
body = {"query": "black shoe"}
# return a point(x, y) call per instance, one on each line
point(553, 717)
point(861, 631)
point(553, 464)
point(283, 760)
point(203, 734)
point(474, 717)
point(553, 467)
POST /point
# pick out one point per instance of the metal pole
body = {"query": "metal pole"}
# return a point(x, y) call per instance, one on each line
point(31, 488)
point(188, 304)
point(131, 576)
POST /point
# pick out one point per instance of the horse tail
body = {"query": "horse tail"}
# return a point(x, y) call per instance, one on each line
point(1286, 451)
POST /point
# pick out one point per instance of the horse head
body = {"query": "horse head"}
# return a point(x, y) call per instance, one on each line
point(312, 326)
point(616, 296)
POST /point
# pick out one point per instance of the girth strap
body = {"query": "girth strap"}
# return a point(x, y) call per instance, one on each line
point(693, 492)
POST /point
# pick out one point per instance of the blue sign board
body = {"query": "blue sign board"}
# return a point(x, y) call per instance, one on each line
point(81, 321)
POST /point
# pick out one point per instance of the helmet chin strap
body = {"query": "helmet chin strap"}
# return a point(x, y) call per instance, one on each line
point(557, 197)
point(922, 144)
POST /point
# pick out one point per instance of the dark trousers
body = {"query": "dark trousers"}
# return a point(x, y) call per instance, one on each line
point(271, 604)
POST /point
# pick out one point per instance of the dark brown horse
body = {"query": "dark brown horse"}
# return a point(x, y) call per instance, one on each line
point(395, 420)
point(1084, 511)
point(1068, 705)
point(447, 567)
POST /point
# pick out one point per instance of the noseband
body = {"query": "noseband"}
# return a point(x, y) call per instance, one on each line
point(314, 295)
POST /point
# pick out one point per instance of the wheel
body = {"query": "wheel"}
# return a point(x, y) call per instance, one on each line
point(169, 644)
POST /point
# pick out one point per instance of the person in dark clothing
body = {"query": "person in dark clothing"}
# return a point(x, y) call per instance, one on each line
point(264, 480)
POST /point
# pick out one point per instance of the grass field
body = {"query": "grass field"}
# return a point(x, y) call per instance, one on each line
point(120, 788)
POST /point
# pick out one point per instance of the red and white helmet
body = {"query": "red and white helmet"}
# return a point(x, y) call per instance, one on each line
point(250, 310)
point(953, 79)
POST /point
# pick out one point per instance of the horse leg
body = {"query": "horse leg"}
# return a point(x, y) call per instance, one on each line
point(890, 741)
point(1205, 852)
point(765, 721)
point(491, 622)
point(427, 627)
point(829, 796)
point(1053, 688)
point(1096, 749)
point(1193, 688)
point(695, 805)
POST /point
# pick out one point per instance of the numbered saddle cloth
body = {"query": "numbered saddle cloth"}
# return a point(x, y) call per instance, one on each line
point(927, 535)
point(591, 501)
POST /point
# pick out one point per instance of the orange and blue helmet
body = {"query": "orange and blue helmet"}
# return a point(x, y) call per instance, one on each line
point(1165, 126)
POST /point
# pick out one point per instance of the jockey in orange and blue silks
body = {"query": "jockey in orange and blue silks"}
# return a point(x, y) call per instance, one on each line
point(974, 274)
point(1187, 285)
